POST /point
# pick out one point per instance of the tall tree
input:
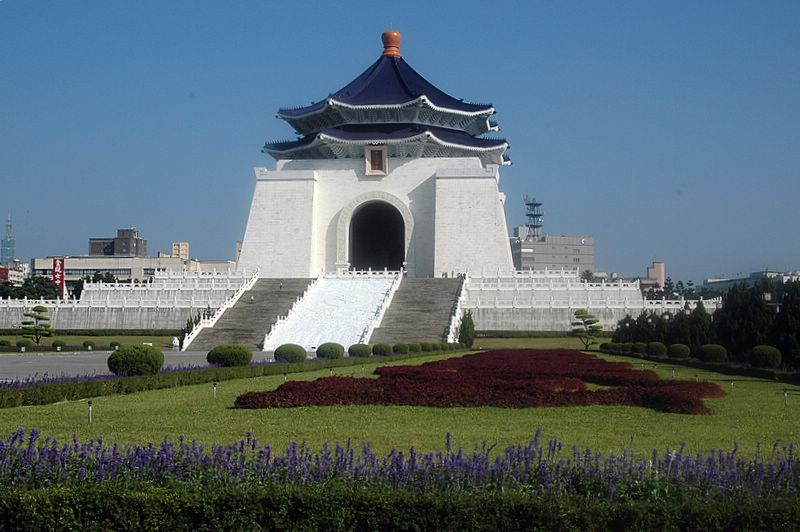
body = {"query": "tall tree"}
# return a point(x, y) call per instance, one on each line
point(699, 327)
point(745, 319)
point(466, 332)
point(785, 334)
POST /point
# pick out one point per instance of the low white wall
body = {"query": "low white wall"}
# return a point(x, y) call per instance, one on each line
point(105, 318)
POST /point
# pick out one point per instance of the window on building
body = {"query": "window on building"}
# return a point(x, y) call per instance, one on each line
point(377, 162)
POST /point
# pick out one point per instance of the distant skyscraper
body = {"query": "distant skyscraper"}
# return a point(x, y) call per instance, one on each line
point(8, 250)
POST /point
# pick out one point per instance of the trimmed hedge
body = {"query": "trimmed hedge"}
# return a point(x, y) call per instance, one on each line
point(640, 348)
point(291, 353)
point(400, 348)
point(678, 351)
point(27, 344)
point(765, 356)
point(414, 347)
point(426, 346)
point(88, 344)
point(713, 353)
point(359, 350)
point(136, 360)
point(338, 506)
point(655, 349)
point(381, 349)
point(229, 355)
point(330, 350)
point(59, 343)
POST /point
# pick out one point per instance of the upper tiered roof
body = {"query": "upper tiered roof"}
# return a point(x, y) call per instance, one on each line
point(391, 104)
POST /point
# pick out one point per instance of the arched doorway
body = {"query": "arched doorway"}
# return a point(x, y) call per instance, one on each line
point(377, 237)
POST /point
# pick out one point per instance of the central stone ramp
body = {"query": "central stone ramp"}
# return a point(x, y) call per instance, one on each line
point(340, 310)
point(420, 312)
point(246, 323)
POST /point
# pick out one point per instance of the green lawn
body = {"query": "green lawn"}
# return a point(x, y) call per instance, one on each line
point(163, 342)
point(752, 412)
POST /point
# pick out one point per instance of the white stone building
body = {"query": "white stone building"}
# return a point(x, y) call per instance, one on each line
point(388, 172)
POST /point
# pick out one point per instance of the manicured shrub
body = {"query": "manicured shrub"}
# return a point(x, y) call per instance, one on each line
point(229, 355)
point(656, 349)
point(713, 353)
point(290, 353)
point(89, 345)
point(382, 349)
point(27, 344)
point(136, 360)
point(59, 343)
point(442, 346)
point(359, 350)
point(678, 351)
point(765, 356)
point(4, 343)
point(461, 345)
point(414, 347)
point(426, 346)
point(626, 347)
point(605, 346)
point(400, 348)
point(115, 345)
point(330, 350)
point(640, 348)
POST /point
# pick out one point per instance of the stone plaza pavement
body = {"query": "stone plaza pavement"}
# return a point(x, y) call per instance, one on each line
point(18, 365)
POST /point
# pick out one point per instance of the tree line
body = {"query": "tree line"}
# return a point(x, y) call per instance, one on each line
point(766, 313)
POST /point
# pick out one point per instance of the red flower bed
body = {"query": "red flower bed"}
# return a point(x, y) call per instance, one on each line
point(510, 378)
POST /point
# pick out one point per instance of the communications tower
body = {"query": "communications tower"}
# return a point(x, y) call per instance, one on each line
point(535, 219)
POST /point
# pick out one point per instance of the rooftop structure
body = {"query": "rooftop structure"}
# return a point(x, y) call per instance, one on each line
point(127, 243)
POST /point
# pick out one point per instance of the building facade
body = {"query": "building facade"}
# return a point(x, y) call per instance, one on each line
point(127, 243)
point(390, 173)
point(552, 252)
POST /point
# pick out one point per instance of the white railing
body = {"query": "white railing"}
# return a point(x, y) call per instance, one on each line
point(627, 304)
point(281, 322)
point(376, 320)
point(205, 323)
point(455, 318)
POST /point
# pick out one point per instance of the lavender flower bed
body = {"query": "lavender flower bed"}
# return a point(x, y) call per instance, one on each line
point(30, 461)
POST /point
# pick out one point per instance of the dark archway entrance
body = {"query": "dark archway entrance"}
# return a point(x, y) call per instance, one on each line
point(377, 237)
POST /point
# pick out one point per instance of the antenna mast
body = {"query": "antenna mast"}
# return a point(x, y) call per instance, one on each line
point(535, 218)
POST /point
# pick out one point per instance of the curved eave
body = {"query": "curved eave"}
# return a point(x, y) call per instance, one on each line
point(332, 113)
point(424, 144)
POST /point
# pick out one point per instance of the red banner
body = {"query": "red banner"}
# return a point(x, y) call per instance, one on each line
point(58, 274)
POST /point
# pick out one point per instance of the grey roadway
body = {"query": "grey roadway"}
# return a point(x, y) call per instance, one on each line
point(20, 365)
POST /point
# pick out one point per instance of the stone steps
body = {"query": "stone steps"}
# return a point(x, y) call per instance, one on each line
point(420, 312)
point(246, 323)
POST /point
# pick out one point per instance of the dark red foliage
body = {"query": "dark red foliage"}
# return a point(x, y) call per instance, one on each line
point(510, 378)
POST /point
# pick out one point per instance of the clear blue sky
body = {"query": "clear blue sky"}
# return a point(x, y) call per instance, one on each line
point(667, 130)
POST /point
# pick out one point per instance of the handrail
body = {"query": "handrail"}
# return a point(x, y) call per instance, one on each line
point(456, 314)
point(205, 323)
point(281, 321)
point(375, 322)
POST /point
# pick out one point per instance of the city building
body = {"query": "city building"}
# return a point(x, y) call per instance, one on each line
point(180, 250)
point(8, 246)
point(390, 173)
point(723, 284)
point(127, 243)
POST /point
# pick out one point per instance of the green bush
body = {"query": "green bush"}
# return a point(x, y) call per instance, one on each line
point(88, 344)
point(765, 356)
point(359, 350)
point(115, 345)
point(626, 347)
point(27, 344)
point(136, 360)
point(4, 343)
point(292, 353)
point(713, 353)
point(605, 346)
point(656, 349)
point(426, 347)
point(414, 347)
point(330, 350)
point(59, 343)
point(381, 350)
point(400, 348)
point(443, 346)
point(229, 355)
point(640, 348)
point(678, 351)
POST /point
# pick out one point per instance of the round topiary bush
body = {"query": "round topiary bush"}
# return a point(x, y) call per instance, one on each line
point(59, 343)
point(639, 348)
point(426, 347)
point(626, 347)
point(414, 347)
point(290, 353)
point(442, 346)
point(228, 355)
point(136, 360)
point(89, 345)
point(359, 350)
point(330, 350)
point(765, 356)
point(27, 344)
point(656, 349)
point(4, 343)
point(400, 348)
point(115, 345)
point(713, 353)
point(678, 351)
point(605, 346)
point(382, 349)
